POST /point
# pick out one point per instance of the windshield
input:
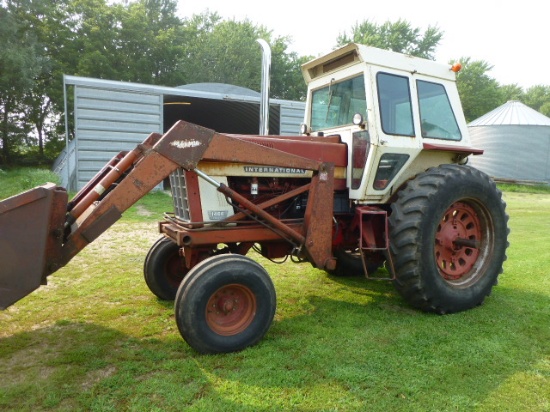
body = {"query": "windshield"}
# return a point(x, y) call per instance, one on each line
point(335, 104)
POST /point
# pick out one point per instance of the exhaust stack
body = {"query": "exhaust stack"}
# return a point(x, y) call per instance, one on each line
point(264, 102)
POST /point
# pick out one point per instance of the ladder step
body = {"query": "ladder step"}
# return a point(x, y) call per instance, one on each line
point(374, 236)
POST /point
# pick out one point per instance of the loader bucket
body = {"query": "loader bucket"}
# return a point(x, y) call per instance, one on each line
point(31, 236)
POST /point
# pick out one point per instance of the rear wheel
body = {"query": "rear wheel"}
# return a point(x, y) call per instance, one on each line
point(164, 269)
point(225, 304)
point(448, 235)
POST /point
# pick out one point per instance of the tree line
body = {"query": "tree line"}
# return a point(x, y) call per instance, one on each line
point(145, 41)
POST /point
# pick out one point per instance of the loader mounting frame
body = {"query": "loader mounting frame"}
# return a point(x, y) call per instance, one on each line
point(68, 227)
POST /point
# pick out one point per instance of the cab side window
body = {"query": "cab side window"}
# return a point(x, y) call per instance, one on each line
point(394, 99)
point(436, 115)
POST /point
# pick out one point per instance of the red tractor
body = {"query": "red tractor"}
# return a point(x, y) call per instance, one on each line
point(377, 176)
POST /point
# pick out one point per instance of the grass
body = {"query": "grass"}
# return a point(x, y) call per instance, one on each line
point(95, 338)
point(536, 188)
point(14, 181)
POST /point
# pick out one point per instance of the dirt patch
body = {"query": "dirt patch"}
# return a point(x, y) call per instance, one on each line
point(129, 238)
point(93, 377)
point(142, 211)
point(24, 364)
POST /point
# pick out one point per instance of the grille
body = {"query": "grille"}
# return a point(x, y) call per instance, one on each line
point(179, 194)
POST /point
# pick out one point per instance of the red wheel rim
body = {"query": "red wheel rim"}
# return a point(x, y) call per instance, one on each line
point(457, 241)
point(230, 309)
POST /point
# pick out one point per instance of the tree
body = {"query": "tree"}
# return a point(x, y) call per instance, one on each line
point(537, 96)
point(96, 39)
point(398, 36)
point(479, 93)
point(151, 42)
point(51, 26)
point(287, 81)
point(228, 52)
point(19, 63)
point(143, 41)
point(545, 109)
point(512, 92)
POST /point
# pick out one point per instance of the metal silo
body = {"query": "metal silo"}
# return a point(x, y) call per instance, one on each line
point(516, 141)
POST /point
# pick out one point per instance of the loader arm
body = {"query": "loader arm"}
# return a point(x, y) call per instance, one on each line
point(61, 229)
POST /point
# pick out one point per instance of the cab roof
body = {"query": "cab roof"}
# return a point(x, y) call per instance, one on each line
point(354, 53)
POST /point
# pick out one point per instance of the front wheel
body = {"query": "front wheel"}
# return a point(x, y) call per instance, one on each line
point(225, 304)
point(164, 269)
point(448, 238)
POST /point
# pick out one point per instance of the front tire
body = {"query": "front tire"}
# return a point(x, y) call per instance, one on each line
point(164, 269)
point(225, 304)
point(448, 238)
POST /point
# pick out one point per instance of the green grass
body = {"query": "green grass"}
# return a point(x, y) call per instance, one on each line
point(536, 188)
point(14, 181)
point(95, 338)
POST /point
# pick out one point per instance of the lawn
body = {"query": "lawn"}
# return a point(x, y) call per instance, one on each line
point(95, 338)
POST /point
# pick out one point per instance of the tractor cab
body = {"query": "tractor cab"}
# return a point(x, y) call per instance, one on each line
point(388, 108)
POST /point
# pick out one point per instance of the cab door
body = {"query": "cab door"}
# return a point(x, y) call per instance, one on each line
point(394, 135)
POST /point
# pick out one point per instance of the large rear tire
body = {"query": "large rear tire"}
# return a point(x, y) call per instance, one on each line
point(164, 269)
point(448, 238)
point(225, 304)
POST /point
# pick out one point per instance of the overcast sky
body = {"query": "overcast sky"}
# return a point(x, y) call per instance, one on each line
point(512, 36)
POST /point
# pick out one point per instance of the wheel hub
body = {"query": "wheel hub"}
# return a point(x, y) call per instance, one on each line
point(230, 309)
point(457, 241)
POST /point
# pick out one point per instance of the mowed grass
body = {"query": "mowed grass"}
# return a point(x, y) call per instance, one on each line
point(14, 181)
point(95, 338)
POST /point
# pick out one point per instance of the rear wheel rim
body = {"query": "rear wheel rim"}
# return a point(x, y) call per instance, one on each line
point(458, 240)
point(231, 309)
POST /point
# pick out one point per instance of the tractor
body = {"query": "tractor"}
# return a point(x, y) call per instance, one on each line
point(376, 177)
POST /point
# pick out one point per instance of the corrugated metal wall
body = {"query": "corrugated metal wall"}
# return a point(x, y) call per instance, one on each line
point(292, 115)
point(108, 121)
point(515, 152)
point(111, 116)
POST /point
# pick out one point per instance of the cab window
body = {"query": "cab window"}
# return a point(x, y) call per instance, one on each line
point(335, 104)
point(394, 99)
point(436, 115)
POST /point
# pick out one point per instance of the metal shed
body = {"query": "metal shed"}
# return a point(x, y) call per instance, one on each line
point(516, 141)
point(110, 116)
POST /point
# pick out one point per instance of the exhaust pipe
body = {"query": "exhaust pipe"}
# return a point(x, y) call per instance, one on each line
point(264, 99)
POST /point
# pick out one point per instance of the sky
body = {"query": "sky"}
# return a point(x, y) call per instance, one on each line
point(512, 35)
